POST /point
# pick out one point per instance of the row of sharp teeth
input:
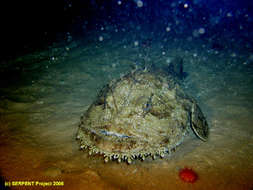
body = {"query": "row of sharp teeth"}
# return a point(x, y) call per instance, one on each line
point(129, 159)
point(122, 157)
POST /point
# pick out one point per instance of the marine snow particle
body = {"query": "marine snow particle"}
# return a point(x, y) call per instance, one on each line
point(139, 3)
point(163, 53)
point(119, 2)
point(168, 60)
point(113, 65)
point(233, 55)
point(100, 38)
point(168, 29)
point(202, 30)
point(186, 5)
point(229, 15)
point(136, 43)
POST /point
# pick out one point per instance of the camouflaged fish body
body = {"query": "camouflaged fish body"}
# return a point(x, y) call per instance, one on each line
point(141, 114)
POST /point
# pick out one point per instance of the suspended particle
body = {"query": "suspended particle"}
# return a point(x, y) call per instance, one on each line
point(233, 55)
point(136, 43)
point(119, 2)
point(139, 3)
point(168, 60)
point(229, 15)
point(202, 31)
point(168, 29)
point(100, 38)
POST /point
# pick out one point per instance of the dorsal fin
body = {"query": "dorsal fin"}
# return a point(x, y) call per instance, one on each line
point(198, 123)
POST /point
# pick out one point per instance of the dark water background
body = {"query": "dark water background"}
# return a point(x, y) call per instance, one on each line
point(57, 56)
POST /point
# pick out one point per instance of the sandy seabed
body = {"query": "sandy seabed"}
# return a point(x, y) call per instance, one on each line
point(38, 122)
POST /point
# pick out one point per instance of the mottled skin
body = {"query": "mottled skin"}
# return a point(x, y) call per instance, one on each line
point(141, 114)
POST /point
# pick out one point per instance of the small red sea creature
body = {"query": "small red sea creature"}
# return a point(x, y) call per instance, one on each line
point(188, 175)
